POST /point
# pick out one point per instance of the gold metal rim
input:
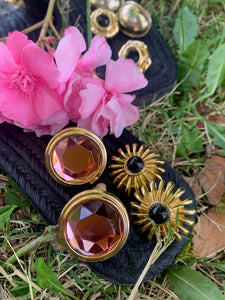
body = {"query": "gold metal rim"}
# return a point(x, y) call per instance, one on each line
point(144, 61)
point(109, 31)
point(88, 196)
point(64, 134)
point(141, 9)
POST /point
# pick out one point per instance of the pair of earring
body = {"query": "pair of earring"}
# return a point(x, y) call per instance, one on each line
point(110, 17)
point(94, 224)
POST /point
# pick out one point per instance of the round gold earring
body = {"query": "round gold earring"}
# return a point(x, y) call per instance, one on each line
point(113, 5)
point(135, 168)
point(162, 207)
point(138, 51)
point(104, 22)
point(75, 156)
point(134, 20)
point(94, 225)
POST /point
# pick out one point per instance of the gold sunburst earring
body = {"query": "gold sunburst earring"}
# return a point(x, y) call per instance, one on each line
point(104, 22)
point(94, 225)
point(75, 156)
point(163, 208)
point(138, 51)
point(135, 167)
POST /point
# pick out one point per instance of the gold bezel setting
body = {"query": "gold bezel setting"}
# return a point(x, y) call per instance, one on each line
point(144, 60)
point(163, 195)
point(67, 133)
point(126, 178)
point(108, 31)
point(89, 196)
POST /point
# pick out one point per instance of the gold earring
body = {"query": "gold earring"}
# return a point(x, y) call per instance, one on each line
point(163, 208)
point(104, 22)
point(135, 168)
point(75, 156)
point(134, 20)
point(94, 225)
point(138, 51)
point(113, 5)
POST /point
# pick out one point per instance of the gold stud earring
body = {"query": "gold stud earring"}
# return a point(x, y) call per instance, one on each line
point(75, 156)
point(94, 225)
point(104, 22)
point(113, 5)
point(163, 208)
point(134, 20)
point(138, 51)
point(135, 168)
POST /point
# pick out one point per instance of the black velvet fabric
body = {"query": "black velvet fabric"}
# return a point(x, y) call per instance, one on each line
point(22, 157)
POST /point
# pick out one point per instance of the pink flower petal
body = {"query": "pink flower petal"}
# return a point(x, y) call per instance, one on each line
point(90, 99)
point(17, 107)
point(15, 42)
point(71, 30)
point(96, 123)
point(123, 76)
point(120, 115)
point(7, 64)
point(41, 64)
point(97, 55)
point(46, 102)
point(68, 52)
point(55, 122)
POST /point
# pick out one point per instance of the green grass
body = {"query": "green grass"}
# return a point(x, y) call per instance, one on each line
point(161, 126)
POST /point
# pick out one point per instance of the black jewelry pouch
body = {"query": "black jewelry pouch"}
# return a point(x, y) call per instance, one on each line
point(22, 158)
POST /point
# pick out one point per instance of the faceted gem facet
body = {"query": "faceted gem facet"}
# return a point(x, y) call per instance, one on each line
point(93, 228)
point(135, 164)
point(76, 157)
point(159, 213)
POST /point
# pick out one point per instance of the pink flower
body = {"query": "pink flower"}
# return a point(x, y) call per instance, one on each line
point(28, 86)
point(68, 54)
point(112, 106)
point(91, 102)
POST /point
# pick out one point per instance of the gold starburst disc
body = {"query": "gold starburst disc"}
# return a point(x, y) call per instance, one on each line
point(135, 168)
point(163, 209)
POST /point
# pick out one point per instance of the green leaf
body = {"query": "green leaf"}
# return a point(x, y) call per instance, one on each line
point(5, 212)
point(220, 265)
point(48, 279)
point(11, 198)
point(20, 290)
point(190, 284)
point(185, 29)
point(190, 140)
point(191, 64)
point(217, 132)
point(216, 69)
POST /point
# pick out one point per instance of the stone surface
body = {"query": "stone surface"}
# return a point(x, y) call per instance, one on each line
point(135, 164)
point(76, 157)
point(94, 228)
point(103, 20)
point(159, 213)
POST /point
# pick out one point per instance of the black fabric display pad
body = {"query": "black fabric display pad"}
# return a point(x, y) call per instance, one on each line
point(22, 158)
